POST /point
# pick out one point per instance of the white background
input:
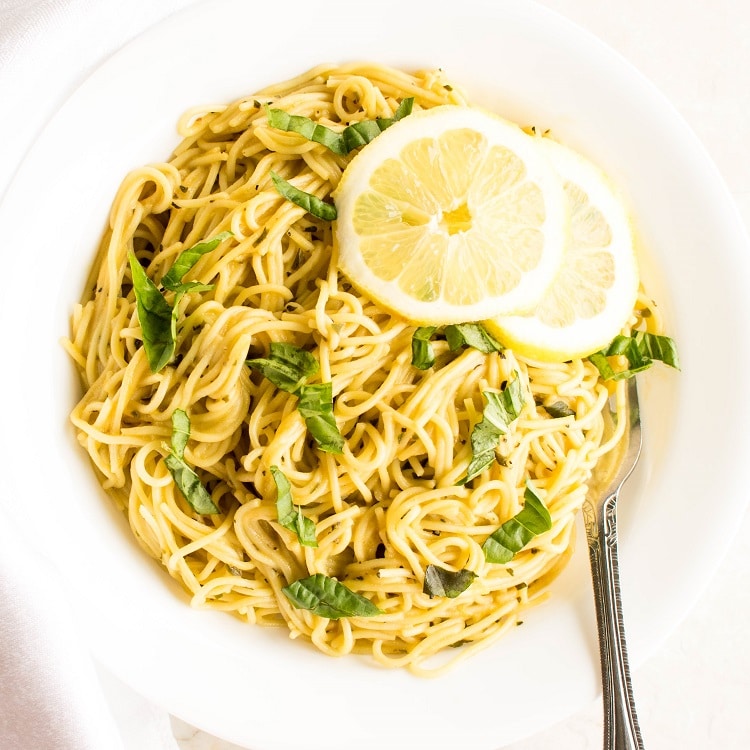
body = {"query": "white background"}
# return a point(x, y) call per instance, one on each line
point(694, 693)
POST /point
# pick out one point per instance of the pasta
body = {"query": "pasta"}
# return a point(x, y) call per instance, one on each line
point(391, 504)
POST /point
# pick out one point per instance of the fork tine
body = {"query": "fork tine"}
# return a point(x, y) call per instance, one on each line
point(635, 433)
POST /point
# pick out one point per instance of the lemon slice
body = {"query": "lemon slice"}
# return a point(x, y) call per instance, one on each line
point(451, 215)
point(593, 293)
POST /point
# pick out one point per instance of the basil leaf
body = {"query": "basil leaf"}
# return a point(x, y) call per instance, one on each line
point(191, 286)
point(355, 135)
point(158, 324)
point(306, 127)
point(471, 334)
point(658, 348)
point(186, 260)
point(294, 356)
point(327, 597)
point(289, 516)
point(640, 350)
point(422, 356)
point(484, 439)
point(157, 317)
point(558, 410)
point(180, 432)
point(361, 133)
point(287, 366)
point(185, 478)
point(441, 582)
point(311, 203)
point(501, 409)
point(533, 519)
point(316, 407)
point(190, 485)
point(600, 361)
point(457, 336)
point(403, 109)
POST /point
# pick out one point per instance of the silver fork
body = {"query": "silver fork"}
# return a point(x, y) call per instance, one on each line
point(621, 730)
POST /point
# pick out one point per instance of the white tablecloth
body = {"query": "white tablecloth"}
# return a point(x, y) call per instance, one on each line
point(692, 694)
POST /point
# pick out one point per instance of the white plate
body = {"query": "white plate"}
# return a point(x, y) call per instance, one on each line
point(253, 686)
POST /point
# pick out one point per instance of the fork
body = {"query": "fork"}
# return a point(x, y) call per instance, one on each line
point(621, 730)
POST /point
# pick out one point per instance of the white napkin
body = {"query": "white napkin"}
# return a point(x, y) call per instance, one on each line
point(52, 695)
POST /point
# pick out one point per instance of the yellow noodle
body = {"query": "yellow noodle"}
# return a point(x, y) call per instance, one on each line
point(389, 505)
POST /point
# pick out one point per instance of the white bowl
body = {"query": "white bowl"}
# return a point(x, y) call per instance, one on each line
point(254, 686)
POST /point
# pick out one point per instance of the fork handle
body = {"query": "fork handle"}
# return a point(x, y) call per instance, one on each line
point(621, 730)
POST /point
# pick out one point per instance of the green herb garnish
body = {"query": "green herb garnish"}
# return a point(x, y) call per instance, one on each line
point(501, 409)
point(316, 407)
point(422, 356)
point(186, 260)
point(361, 133)
point(158, 319)
point(304, 126)
point(533, 519)
point(311, 203)
point(341, 143)
point(558, 410)
point(641, 350)
point(471, 334)
point(180, 432)
point(288, 367)
point(185, 478)
point(327, 597)
point(448, 583)
point(457, 336)
point(289, 516)
point(155, 314)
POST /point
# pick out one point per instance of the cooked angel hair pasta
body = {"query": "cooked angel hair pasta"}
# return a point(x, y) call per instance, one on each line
point(391, 502)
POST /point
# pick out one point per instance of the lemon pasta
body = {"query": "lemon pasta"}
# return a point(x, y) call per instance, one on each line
point(288, 445)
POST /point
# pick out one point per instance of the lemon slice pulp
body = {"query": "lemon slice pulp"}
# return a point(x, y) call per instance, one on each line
point(451, 215)
point(593, 294)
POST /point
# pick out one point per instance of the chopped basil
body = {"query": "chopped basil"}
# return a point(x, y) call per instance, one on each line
point(558, 410)
point(290, 517)
point(185, 478)
point(355, 135)
point(304, 126)
point(180, 432)
point(471, 334)
point(186, 260)
point(361, 133)
point(441, 582)
point(501, 409)
point(457, 336)
point(533, 519)
point(288, 366)
point(316, 407)
point(658, 348)
point(157, 317)
point(641, 351)
point(327, 597)
point(158, 324)
point(422, 356)
point(311, 203)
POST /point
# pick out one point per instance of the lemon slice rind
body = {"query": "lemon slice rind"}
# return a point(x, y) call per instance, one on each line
point(436, 309)
point(533, 337)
